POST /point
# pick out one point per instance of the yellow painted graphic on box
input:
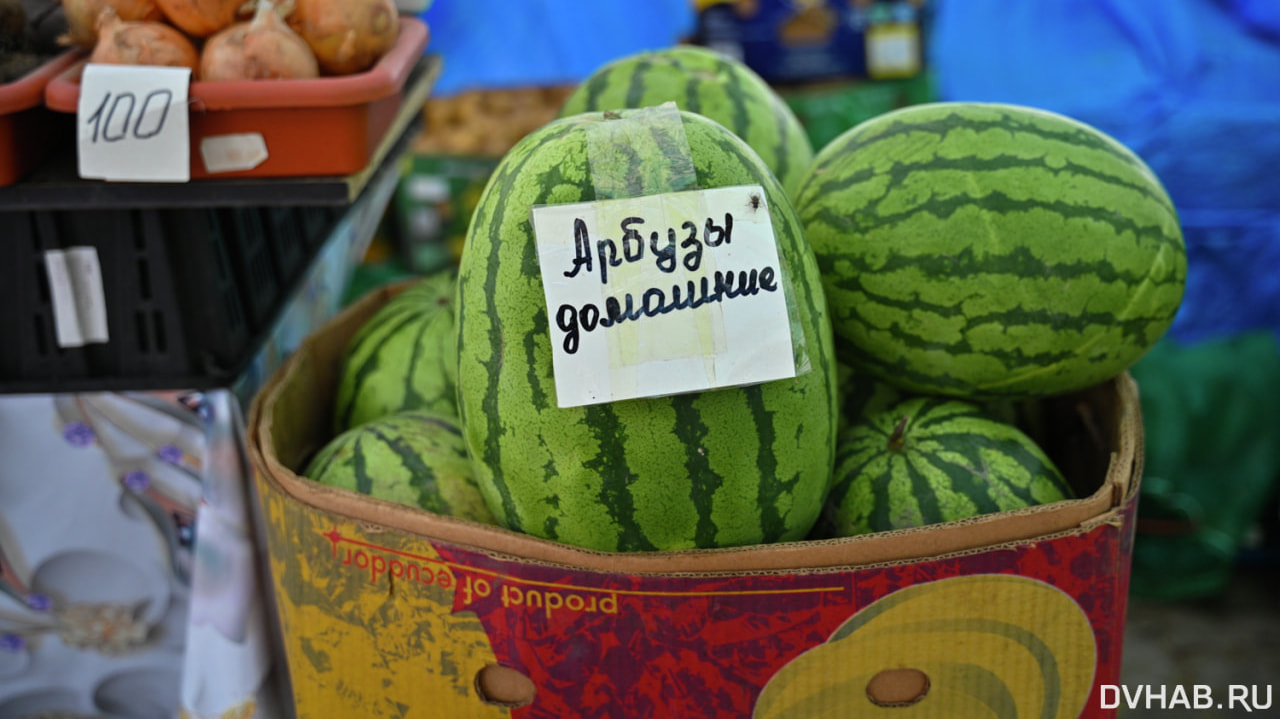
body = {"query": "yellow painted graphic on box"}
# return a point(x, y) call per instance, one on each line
point(399, 651)
point(990, 645)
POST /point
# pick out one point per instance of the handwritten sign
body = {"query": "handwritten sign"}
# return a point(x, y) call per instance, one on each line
point(133, 123)
point(663, 294)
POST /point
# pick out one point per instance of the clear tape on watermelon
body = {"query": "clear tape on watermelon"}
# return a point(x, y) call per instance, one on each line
point(614, 176)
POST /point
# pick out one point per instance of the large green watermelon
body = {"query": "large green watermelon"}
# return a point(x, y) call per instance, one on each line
point(928, 460)
point(414, 458)
point(985, 251)
point(711, 84)
point(405, 357)
point(727, 467)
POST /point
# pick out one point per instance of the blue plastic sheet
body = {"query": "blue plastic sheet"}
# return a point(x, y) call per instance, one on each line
point(489, 44)
point(1192, 86)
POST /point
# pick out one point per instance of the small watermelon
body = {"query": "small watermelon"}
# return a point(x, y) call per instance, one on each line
point(986, 251)
point(414, 458)
point(727, 467)
point(712, 85)
point(931, 459)
point(405, 357)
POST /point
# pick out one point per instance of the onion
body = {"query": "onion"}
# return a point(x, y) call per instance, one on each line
point(200, 18)
point(142, 42)
point(82, 17)
point(347, 36)
point(264, 48)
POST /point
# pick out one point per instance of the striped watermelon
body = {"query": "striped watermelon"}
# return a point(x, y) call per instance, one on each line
point(405, 357)
point(984, 251)
point(727, 467)
point(932, 459)
point(711, 84)
point(415, 458)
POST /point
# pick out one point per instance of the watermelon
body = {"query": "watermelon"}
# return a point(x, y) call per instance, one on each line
point(711, 84)
point(725, 467)
point(405, 357)
point(933, 459)
point(415, 458)
point(986, 251)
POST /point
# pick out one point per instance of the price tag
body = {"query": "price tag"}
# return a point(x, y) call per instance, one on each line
point(133, 123)
point(663, 294)
point(231, 153)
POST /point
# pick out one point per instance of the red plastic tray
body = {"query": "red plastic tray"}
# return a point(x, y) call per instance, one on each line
point(27, 134)
point(320, 127)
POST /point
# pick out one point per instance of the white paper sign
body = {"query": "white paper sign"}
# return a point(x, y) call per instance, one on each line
point(663, 294)
point(79, 302)
point(133, 123)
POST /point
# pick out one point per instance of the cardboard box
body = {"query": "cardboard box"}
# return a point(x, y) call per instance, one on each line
point(390, 611)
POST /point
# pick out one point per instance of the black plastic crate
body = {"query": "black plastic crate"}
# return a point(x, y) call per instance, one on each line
point(186, 291)
point(290, 249)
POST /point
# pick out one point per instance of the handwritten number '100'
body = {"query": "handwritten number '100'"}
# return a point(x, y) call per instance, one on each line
point(98, 121)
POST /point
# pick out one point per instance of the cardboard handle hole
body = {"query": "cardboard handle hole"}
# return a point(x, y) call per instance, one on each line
point(898, 687)
point(504, 686)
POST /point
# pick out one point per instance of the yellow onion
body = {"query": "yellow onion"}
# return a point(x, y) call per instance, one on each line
point(200, 18)
point(263, 48)
point(347, 36)
point(82, 17)
point(142, 42)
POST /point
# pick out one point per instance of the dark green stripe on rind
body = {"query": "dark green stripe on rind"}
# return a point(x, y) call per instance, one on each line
point(610, 463)
point(738, 91)
point(691, 434)
point(994, 202)
point(772, 486)
point(424, 477)
point(360, 469)
point(413, 398)
point(636, 85)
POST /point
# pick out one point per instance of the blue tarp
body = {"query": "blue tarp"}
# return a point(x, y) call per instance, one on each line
point(1192, 86)
point(519, 43)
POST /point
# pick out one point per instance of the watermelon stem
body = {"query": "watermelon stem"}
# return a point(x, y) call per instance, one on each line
point(898, 439)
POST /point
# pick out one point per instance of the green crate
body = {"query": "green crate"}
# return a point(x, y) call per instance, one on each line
point(829, 109)
point(433, 206)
